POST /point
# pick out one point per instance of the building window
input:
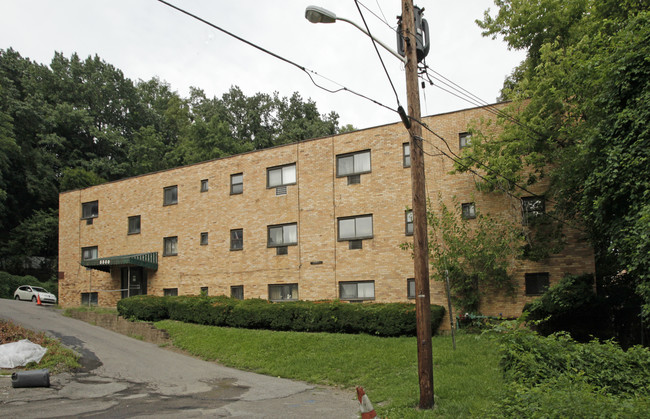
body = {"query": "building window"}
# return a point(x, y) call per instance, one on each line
point(237, 239)
point(283, 235)
point(410, 288)
point(362, 290)
point(353, 163)
point(204, 185)
point(170, 292)
point(409, 222)
point(355, 228)
point(134, 224)
point(89, 298)
point(170, 246)
point(204, 291)
point(532, 207)
point(88, 253)
point(468, 210)
point(237, 291)
point(406, 161)
point(536, 283)
point(281, 175)
point(283, 292)
point(236, 184)
point(464, 139)
point(170, 195)
point(90, 210)
point(204, 239)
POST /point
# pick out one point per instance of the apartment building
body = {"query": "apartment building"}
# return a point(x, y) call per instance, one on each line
point(318, 219)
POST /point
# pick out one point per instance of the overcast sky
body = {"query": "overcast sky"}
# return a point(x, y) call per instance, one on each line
point(145, 38)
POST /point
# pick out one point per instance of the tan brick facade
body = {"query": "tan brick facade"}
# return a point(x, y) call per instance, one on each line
point(315, 202)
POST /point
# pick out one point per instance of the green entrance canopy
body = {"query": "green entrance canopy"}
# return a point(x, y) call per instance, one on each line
point(145, 260)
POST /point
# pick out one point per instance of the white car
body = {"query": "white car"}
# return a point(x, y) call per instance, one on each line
point(28, 292)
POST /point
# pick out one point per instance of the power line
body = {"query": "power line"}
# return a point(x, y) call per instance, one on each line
point(382, 18)
point(456, 159)
point(279, 57)
point(374, 44)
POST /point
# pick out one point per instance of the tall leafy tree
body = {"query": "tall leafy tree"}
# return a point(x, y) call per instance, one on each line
point(581, 99)
point(80, 122)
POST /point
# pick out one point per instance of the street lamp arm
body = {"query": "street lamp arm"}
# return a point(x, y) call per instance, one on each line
point(387, 48)
point(316, 14)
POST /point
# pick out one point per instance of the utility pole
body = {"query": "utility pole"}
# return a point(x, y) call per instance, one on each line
point(420, 242)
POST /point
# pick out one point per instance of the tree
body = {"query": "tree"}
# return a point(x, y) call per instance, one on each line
point(581, 100)
point(477, 254)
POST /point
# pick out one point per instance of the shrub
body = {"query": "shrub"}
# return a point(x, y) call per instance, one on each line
point(9, 283)
point(555, 376)
point(571, 306)
point(530, 359)
point(394, 319)
point(144, 307)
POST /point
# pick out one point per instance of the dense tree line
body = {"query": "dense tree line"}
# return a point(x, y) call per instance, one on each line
point(80, 122)
point(581, 100)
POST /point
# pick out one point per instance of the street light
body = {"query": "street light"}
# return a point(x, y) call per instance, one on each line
point(316, 14)
point(420, 241)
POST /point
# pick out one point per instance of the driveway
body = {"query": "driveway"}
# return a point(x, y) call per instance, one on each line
point(128, 378)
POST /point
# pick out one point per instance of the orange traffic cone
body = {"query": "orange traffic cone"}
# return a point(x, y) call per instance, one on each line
point(367, 411)
point(38, 300)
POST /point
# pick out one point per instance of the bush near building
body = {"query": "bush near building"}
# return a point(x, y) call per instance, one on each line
point(555, 376)
point(9, 283)
point(390, 319)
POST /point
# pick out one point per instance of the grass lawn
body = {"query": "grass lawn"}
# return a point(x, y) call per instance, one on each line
point(466, 382)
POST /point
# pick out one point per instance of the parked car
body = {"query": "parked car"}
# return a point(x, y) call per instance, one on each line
point(28, 292)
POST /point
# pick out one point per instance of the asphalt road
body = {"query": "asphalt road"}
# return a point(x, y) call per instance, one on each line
point(124, 377)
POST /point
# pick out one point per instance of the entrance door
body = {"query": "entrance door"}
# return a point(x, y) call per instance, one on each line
point(134, 281)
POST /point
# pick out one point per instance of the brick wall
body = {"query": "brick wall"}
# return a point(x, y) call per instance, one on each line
point(319, 261)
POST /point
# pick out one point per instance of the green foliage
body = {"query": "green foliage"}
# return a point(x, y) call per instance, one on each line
point(476, 253)
point(394, 319)
point(81, 122)
point(563, 398)
point(582, 97)
point(555, 376)
point(79, 178)
point(9, 283)
point(144, 307)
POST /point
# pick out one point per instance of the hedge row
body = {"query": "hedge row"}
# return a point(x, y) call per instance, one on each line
point(392, 319)
point(9, 283)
